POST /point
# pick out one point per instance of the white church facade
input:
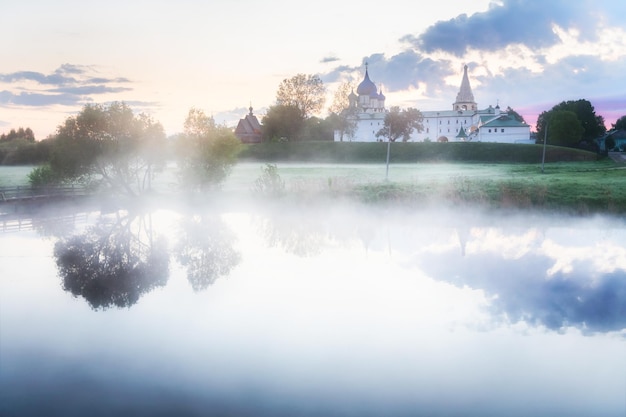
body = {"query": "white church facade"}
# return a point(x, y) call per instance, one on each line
point(463, 123)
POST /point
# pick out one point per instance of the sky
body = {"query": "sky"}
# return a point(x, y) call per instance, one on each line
point(164, 58)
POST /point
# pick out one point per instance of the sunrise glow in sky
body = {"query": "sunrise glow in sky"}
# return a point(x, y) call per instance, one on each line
point(163, 57)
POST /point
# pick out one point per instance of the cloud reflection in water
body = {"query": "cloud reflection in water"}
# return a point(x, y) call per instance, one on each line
point(378, 312)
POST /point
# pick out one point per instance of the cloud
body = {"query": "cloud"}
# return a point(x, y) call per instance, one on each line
point(68, 85)
point(71, 69)
point(38, 99)
point(524, 290)
point(101, 80)
point(330, 58)
point(231, 117)
point(572, 78)
point(53, 79)
point(398, 72)
point(527, 22)
point(90, 89)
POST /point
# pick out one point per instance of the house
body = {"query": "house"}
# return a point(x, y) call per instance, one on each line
point(248, 129)
point(612, 141)
point(502, 128)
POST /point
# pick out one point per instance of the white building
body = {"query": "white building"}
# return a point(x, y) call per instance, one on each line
point(464, 122)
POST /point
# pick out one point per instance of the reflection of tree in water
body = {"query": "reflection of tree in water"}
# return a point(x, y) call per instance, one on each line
point(307, 231)
point(114, 262)
point(206, 250)
point(297, 234)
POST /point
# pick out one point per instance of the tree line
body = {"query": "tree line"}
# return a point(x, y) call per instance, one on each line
point(299, 98)
point(291, 118)
point(109, 147)
point(573, 123)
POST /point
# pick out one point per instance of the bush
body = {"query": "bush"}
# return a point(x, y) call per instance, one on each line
point(269, 182)
point(41, 176)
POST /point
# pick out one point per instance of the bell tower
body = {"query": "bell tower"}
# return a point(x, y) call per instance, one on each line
point(465, 97)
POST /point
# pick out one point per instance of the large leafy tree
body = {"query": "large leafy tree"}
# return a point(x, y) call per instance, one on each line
point(109, 146)
point(19, 147)
point(564, 128)
point(400, 124)
point(342, 113)
point(317, 129)
point(283, 122)
point(592, 124)
point(305, 92)
point(515, 115)
point(620, 123)
point(21, 133)
point(206, 151)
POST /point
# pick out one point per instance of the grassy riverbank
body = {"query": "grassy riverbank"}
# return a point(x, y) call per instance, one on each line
point(360, 152)
point(582, 187)
point(579, 188)
point(494, 175)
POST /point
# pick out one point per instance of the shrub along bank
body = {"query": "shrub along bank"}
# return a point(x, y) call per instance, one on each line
point(406, 152)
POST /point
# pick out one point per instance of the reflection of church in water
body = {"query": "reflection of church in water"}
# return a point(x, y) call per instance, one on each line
point(464, 122)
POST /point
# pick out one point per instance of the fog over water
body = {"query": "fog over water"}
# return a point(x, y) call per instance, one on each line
point(311, 308)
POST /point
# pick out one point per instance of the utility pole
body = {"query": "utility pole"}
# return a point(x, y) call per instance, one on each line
point(545, 140)
point(388, 149)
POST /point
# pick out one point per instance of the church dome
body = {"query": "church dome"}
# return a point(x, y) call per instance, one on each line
point(367, 87)
point(381, 96)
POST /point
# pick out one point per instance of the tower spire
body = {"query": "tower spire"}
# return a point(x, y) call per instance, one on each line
point(465, 97)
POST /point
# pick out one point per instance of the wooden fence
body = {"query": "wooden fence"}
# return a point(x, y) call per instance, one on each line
point(24, 222)
point(17, 194)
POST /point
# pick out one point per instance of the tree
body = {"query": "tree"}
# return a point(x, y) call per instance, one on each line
point(206, 249)
point(283, 122)
point(206, 151)
point(564, 128)
point(316, 129)
point(109, 146)
point(305, 92)
point(593, 125)
point(113, 263)
point(21, 133)
point(515, 115)
point(342, 112)
point(400, 124)
point(620, 123)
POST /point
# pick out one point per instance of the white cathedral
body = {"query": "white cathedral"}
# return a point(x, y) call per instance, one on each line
point(464, 123)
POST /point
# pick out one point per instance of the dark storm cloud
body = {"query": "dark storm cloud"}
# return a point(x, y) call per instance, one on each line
point(527, 22)
point(526, 292)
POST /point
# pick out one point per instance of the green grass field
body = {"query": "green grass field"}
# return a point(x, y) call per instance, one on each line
point(409, 152)
point(577, 187)
point(583, 184)
point(14, 175)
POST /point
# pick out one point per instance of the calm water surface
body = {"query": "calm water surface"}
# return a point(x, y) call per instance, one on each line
point(311, 310)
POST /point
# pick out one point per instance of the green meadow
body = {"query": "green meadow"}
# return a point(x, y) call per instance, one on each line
point(428, 174)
